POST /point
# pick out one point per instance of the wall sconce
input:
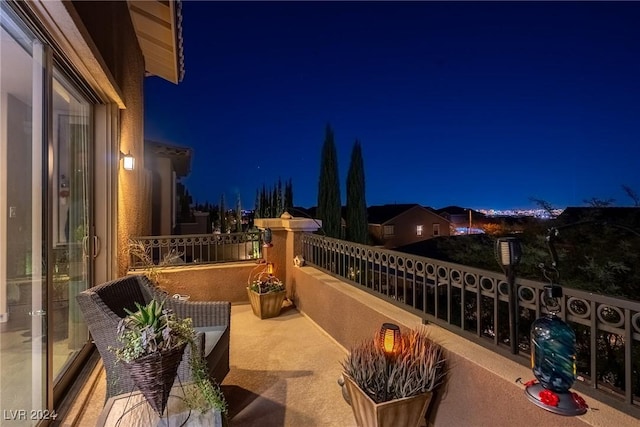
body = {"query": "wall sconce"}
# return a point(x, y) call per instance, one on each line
point(389, 339)
point(270, 268)
point(267, 238)
point(128, 161)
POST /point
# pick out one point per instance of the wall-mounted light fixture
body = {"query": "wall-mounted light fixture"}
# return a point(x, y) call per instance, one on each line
point(128, 161)
point(389, 339)
point(267, 238)
point(270, 268)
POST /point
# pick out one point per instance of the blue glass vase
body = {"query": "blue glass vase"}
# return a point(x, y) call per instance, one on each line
point(553, 353)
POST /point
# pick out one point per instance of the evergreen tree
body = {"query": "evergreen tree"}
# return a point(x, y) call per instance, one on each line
point(280, 200)
point(264, 203)
point(288, 195)
point(274, 203)
point(223, 215)
point(238, 215)
point(329, 205)
point(256, 207)
point(357, 226)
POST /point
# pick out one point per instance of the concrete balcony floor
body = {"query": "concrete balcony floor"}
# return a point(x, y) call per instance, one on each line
point(283, 372)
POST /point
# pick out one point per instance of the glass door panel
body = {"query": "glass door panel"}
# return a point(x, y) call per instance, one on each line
point(71, 261)
point(23, 277)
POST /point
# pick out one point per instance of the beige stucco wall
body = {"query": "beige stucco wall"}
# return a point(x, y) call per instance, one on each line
point(481, 389)
point(287, 232)
point(109, 26)
point(217, 282)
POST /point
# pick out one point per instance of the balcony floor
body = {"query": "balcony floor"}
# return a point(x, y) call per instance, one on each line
point(283, 373)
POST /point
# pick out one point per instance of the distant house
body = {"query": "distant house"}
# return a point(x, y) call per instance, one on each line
point(401, 224)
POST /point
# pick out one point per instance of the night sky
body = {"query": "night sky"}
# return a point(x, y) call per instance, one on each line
point(480, 104)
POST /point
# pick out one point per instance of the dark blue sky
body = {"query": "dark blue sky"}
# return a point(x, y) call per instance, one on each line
point(477, 104)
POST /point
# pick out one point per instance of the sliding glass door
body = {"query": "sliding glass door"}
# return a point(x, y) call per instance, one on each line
point(45, 222)
point(71, 216)
point(23, 276)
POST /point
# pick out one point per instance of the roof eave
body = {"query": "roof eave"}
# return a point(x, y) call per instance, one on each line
point(158, 26)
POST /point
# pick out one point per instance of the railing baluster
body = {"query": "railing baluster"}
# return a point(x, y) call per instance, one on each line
point(197, 248)
point(375, 275)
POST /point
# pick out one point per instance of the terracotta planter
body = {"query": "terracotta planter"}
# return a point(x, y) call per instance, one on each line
point(266, 305)
point(406, 412)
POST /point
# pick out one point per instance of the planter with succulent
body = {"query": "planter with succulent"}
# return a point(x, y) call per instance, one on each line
point(392, 384)
point(153, 341)
point(266, 292)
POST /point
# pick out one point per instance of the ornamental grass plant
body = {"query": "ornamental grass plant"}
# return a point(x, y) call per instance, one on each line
point(419, 366)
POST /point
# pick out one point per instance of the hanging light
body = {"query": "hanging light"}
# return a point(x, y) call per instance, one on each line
point(389, 339)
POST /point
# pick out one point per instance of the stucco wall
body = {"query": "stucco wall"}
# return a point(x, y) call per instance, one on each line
point(481, 389)
point(218, 282)
point(110, 27)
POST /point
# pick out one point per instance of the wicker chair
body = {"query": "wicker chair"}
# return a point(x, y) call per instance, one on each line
point(103, 307)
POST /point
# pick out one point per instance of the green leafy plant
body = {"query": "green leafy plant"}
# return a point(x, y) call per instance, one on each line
point(154, 328)
point(419, 366)
point(265, 282)
point(150, 329)
point(202, 394)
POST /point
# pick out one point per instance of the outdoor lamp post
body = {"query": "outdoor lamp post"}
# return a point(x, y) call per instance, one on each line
point(508, 254)
point(389, 339)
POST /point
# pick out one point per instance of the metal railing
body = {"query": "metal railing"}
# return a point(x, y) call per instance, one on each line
point(196, 249)
point(473, 303)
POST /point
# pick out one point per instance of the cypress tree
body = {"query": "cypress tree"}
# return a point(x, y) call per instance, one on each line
point(329, 205)
point(288, 195)
point(223, 215)
point(238, 215)
point(264, 203)
point(280, 200)
point(357, 224)
point(256, 207)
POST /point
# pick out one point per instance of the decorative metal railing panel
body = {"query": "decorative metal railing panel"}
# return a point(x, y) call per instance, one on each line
point(474, 303)
point(198, 249)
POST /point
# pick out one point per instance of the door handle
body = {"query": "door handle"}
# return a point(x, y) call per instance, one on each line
point(85, 246)
point(96, 246)
point(38, 313)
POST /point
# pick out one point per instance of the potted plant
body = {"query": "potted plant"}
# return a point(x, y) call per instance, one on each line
point(266, 293)
point(153, 341)
point(390, 379)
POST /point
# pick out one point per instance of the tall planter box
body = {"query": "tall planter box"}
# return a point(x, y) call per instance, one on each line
point(406, 412)
point(266, 305)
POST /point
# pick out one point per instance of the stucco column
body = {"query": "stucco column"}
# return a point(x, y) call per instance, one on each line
point(287, 232)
